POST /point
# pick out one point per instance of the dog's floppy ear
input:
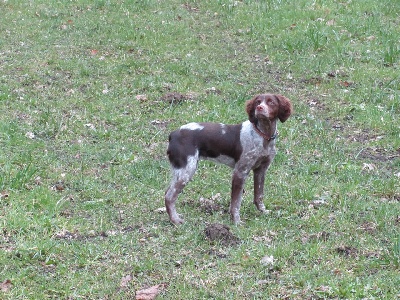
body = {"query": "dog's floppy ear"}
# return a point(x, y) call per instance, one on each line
point(250, 109)
point(285, 108)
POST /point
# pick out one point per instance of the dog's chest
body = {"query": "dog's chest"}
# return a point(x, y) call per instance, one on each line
point(255, 148)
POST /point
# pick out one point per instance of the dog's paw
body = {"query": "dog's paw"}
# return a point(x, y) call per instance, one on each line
point(261, 207)
point(177, 220)
point(235, 218)
point(239, 223)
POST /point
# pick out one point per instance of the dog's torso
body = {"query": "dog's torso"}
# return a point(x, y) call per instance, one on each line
point(238, 146)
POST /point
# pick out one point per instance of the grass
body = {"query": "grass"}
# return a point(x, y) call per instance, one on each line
point(84, 123)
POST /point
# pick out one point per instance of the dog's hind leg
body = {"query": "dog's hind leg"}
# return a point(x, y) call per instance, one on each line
point(180, 179)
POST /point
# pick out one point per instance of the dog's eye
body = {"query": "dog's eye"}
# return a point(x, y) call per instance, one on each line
point(258, 102)
point(270, 101)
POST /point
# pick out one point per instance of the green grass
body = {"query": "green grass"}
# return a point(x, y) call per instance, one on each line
point(84, 128)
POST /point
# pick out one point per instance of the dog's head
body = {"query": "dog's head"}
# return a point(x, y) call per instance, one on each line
point(268, 106)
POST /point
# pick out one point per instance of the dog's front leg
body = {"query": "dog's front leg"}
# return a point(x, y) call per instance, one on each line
point(259, 178)
point(238, 180)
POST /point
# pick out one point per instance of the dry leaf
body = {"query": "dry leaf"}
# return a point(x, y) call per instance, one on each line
point(4, 194)
point(59, 186)
point(267, 261)
point(317, 203)
point(38, 180)
point(150, 293)
point(161, 210)
point(141, 97)
point(125, 281)
point(30, 135)
point(337, 272)
point(216, 196)
point(346, 83)
point(331, 22)
point(6, 285)
point(90, 125)
point(324, 288)
point(368, 167)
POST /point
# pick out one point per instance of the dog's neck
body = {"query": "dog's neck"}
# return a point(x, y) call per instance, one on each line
point(266, 128)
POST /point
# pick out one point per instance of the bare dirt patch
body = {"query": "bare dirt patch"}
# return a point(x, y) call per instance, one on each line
point(320, 236)
point(160, 124)
point(364, 136)
point(67, 235)
point(210, 206)
point(176, 98)
point(379, 154)
point(347, 251)
point(221, 234)
point(369, 227)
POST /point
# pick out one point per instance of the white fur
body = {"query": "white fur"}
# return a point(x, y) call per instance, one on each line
point(186, 173)
point(253, 149)
point(223, 128)
point(192, 126)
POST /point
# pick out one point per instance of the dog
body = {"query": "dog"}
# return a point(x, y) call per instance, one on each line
point(244, 147)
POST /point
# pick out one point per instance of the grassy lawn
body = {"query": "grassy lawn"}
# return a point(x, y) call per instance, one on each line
point(89, 91)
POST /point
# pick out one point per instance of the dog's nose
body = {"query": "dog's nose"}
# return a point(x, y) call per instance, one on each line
point(259, 107)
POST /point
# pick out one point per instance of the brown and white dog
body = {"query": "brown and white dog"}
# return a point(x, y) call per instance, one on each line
point(244, 147)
